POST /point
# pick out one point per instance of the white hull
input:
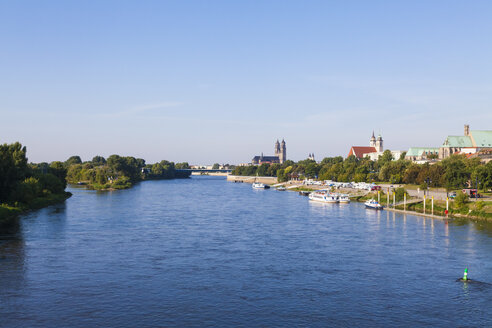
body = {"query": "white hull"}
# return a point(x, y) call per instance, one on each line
point(259, 185)
point(323, 198)
point(372, 204)
point(344, 199)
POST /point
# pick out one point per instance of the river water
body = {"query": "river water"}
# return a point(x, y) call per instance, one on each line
point(206, 252)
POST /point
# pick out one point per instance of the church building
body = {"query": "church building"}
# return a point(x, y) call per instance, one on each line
point(280, 155)
point(471, 142)
point(375, 146)
point(374, 150)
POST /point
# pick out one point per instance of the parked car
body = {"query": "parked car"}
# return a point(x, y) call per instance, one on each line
point(375, 188)
point(452, 194)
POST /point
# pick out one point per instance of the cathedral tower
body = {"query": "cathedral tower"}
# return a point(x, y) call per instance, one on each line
point(372, 142)
point(379, 144)
point(283, 152)
point(277, 148)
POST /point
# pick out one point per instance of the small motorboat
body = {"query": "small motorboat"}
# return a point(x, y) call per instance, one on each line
point(281, 188)
point(374, 204)
point(259, 185)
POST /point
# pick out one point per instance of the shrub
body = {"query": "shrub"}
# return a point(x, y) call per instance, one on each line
point(400, 194)
point(461, 200)
point(479, 205)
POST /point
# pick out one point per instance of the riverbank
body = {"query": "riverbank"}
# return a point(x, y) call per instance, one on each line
point(440, 216)
point(415, 206)
point(250, 179)
point(469, 210)
point(9, 214)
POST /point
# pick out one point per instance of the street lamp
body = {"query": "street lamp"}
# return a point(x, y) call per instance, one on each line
point(429, 181)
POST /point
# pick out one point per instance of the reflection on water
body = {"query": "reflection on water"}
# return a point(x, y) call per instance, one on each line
point(204, 252)
point(13, 267)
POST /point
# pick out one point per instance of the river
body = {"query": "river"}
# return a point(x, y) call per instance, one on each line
point(206, 252)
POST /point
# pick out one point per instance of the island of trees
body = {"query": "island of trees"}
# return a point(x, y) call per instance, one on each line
point(117, 172)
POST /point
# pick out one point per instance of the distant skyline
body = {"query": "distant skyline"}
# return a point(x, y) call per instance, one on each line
point(221, 81)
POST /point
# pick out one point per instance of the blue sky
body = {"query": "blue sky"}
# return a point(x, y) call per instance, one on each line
point(220, 81)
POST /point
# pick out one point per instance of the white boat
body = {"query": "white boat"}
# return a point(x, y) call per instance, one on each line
point(343, 198)
point(259, 185)
point(371, 203)
point(324, 197)
point(281, 188)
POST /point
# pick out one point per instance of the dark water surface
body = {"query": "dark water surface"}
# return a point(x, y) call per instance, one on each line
point(206, 252)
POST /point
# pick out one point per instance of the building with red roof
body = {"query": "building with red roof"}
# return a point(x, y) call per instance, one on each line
point(361, 151)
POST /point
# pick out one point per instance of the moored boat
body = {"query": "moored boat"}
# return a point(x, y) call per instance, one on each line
point(343, 198)
point(281, 188)
point(374, 204)
point(324, 197)
point(259, 185)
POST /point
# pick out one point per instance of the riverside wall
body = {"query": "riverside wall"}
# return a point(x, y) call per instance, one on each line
point(240, 178)
point(217, 174)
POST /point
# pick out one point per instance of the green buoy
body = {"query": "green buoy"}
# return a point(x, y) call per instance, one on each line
point(465, 275)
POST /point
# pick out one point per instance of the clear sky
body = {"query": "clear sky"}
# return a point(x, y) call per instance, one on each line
point(220, 81)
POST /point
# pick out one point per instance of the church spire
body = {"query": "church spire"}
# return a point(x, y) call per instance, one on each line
point(372, 141)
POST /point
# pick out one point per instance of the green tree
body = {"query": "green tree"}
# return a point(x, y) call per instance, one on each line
point(411, 174)
point(287, 163)
point(13, 168)
point(28, 190)
point(311, 170)
point(262, 169)
point(58, 169)
point(385, 158)
point(73, 160)
point(182, 166)
point(272, 170)
point(98, 160)
point(157, 169)
point(281, 176)
point(461, 200)
point(456, 171)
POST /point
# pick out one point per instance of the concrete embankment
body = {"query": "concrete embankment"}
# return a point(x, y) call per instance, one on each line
point(239, 178)
point(217, 174)
point(416, 213)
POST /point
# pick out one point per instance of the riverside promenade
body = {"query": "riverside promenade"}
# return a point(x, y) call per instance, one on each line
point(439, 194)
point(249, 179)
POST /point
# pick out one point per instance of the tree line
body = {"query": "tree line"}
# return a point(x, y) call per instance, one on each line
point(454, 172)
point(24, 185)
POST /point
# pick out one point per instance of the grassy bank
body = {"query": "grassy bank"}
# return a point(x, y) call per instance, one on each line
point(471, 210)
point(9, 213)
point(479, 210)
